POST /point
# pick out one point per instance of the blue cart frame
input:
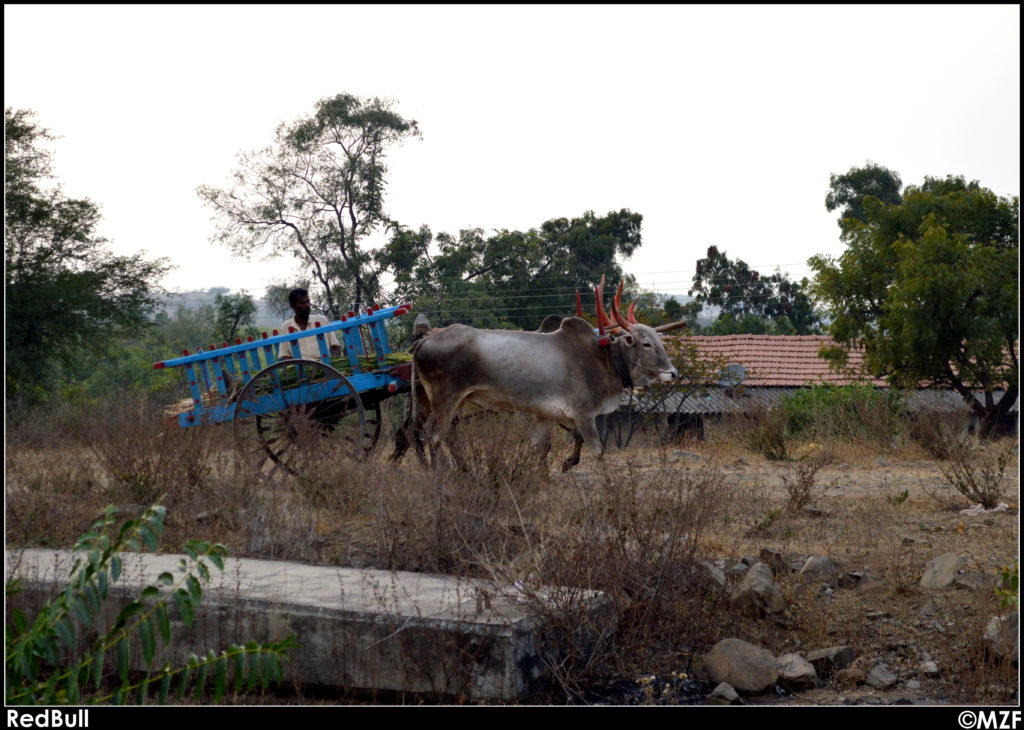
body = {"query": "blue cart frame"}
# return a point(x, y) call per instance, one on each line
point(274, 400)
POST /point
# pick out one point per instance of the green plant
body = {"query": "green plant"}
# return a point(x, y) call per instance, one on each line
point(768, 520)
point(1008, 590)
point(61, 656)
point(850, 412)
point(897, 499)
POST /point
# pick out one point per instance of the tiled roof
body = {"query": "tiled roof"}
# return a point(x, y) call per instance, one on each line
point(780, 360)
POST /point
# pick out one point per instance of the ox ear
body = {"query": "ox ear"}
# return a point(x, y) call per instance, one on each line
point(628, 339)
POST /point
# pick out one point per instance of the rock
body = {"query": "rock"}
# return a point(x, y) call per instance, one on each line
point(737, 571)
point(680, 455)
point(850, 580)
point(747, 668)
point(795, 672)
point(850, 677)
point(941, 571)
point(1002, 637)
point(775, 560)
point(929, 669)
point(881, 677)
point(976, 581)
point(928, 610)
point(913, 684)
point(819, 569)
point(750, 560)
point(758, 593)
point(715, 574)
point(830, 660)
point(723, 694)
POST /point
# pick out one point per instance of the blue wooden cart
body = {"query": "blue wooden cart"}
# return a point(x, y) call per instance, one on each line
point(282, 409)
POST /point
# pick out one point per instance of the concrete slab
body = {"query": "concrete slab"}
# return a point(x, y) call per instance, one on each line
point(364, 629)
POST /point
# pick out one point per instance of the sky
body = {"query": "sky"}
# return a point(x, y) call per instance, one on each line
point(719, 124)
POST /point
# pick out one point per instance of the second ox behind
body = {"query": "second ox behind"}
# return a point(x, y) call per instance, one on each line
point(568, 376)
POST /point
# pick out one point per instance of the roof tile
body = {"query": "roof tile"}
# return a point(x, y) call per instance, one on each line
point(783, 360)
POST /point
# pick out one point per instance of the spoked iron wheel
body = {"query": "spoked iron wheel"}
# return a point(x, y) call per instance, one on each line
point(293, 410)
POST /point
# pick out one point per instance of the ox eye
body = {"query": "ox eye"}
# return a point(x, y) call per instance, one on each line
point(647, 344)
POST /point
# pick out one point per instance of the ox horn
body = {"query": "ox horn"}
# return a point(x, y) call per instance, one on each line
point(579, 305)
point(616, 303)
point(630, 315)
point(598, 296)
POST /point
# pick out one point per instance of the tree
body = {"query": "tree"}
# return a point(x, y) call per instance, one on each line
point(65, 293)
point(848, 191)
point(511, 278)
point(316, 194)
point(233, 314)
point(750, 302)
point(929, 287)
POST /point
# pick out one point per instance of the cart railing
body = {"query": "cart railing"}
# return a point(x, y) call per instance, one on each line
point(216, 374)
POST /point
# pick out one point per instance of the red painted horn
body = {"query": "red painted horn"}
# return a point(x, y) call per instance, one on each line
point(579, 305)
point(616, 303)
point(598, 295)
point(630, 315)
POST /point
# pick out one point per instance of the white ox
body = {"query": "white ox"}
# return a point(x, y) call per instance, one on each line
point(567, 376)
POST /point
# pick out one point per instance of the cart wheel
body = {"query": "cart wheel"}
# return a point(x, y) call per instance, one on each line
point(291, 410)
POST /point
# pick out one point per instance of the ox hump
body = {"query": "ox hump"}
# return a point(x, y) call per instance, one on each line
point(577, 327)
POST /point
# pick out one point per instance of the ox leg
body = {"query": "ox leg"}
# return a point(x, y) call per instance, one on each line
point(574, 459)
point(540, 439)
point(410, 430)
point(585, 432)
point(438, 426)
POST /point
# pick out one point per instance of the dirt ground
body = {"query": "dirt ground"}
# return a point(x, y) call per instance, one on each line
point(880, 518)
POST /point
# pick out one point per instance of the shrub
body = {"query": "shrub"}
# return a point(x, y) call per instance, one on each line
point(768, 435)
point(849, 412)
point(59, 657)
point(978, 472)
point(799, 482)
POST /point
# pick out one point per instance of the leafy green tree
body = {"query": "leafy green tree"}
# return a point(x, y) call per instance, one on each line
point(672, 310)
point(849, 190)
point(751, 302)
point(234, 315)
point(316, 194)
point(929, 286)
point(512, 279)
point(749, 324)
point(65, 293)
point(123, 364)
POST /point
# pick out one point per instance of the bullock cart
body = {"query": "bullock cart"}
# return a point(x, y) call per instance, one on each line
point(283, 409)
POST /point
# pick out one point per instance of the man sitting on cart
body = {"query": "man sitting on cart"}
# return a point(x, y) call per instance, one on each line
point(298, 299)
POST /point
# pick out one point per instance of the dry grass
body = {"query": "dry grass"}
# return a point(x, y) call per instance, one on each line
point(634, 527)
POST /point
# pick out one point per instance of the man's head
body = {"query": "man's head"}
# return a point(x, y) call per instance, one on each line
point(298, 299)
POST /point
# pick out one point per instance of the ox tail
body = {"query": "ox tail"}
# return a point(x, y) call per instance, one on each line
point(412, 394)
